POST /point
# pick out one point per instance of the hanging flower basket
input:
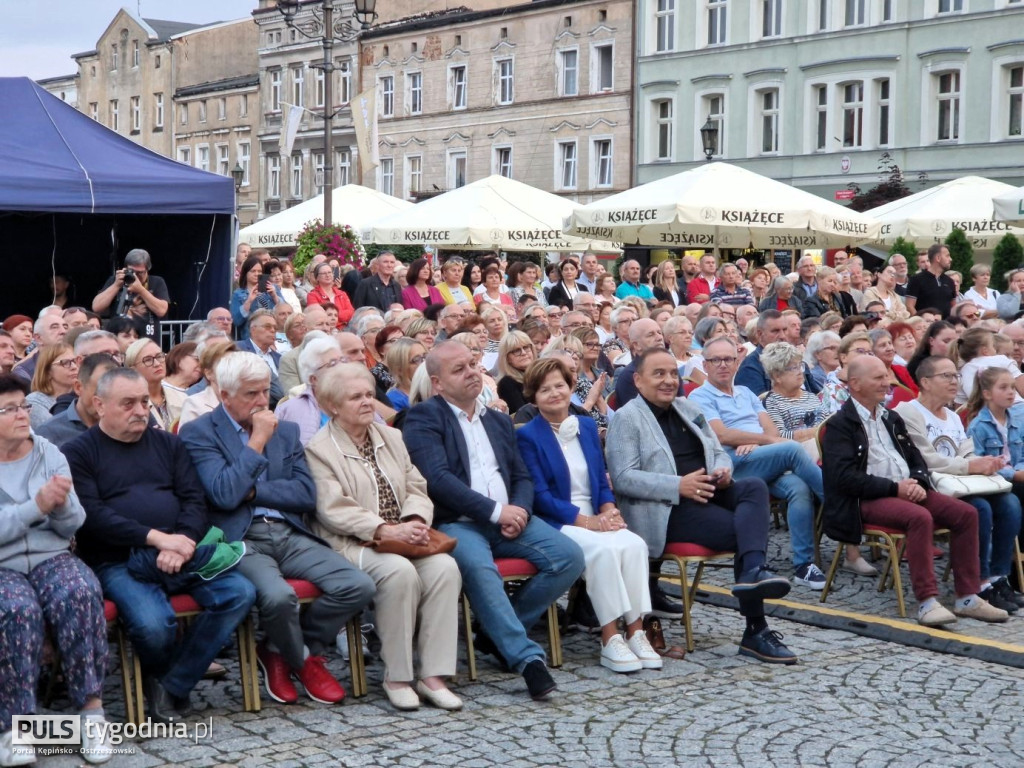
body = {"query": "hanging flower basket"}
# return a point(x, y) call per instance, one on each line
point(334, 241)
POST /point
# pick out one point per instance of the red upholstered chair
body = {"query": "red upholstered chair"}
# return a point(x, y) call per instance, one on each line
point(682, 555)
point(513, 569)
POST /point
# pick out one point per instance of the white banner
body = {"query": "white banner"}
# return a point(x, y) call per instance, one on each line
point(364, 120)
point(289, 128)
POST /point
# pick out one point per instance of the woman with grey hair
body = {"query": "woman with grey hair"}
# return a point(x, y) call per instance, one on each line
point(316, 358)
point(984, 298)
point(781, 297)
point(705, 330)
point(822, 355)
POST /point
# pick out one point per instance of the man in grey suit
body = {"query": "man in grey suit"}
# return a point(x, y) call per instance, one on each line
point(674, 484)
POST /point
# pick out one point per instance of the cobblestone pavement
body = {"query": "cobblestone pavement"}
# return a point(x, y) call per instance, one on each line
point(852, 701)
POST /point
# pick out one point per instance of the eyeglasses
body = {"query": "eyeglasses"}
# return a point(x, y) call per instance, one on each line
point(793, 369)
point(25, 408)
point(716, 361)
point(152, 360)
point(592, 344)
point(519, 351)
point(418, 359)
point(330, 363)
point(67, 365)
point(945, 376)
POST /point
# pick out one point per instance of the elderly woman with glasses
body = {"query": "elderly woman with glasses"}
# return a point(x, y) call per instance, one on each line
point(403, 358)
point(822, 355)
point(55, 375)
point(147, 358)
point(316, 358)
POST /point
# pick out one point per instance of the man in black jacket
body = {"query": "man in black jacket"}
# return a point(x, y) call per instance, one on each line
point(380, 290)
point(874, 474)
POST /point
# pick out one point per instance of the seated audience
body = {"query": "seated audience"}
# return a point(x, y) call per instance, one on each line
point(55, 375)
point(821, 355)
point(145, 357)
point(515, 353)
point(403, 357)
point(81, 412)
point(207, 399)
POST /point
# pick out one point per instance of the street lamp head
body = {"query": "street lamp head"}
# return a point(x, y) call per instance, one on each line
point(238, 174)
point(709, 138)
point(366, 12)
point(289, 9)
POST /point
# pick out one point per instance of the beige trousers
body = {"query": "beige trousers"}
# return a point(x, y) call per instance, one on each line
point(425, 590)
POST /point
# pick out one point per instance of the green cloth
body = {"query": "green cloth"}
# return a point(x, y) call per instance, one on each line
point(226, 554)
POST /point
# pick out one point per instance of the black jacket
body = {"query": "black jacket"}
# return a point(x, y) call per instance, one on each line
point(844, 454)
point(814, 306)
point(558, 297)
point(372, 292)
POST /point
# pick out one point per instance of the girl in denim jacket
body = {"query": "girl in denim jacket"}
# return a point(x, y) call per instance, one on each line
point(994, 431)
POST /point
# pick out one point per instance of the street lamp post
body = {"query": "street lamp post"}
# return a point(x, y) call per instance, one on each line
point(322, 25)
point(709, 138)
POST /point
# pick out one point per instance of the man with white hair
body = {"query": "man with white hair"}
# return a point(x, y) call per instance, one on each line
point(221, 318)
point(48, 329)
point(450, 319)
point(807, 282)
point(260, 491)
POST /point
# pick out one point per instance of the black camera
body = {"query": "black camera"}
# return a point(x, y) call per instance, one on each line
point(129, 276)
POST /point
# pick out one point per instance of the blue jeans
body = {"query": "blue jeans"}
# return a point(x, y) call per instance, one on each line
point(998, 525)
point(770, 463)
point(558, 560)
point(145, 610)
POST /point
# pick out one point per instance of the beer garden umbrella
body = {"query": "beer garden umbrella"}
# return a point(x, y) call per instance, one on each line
point(721, 205)
point(1009, 207)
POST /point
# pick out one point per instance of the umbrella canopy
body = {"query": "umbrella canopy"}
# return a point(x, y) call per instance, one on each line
point(352, 204)
point(1010, 207)
point(495, 212)
point(930, 215)
point(721, 205)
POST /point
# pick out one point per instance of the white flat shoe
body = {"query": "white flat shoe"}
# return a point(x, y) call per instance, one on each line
point(403, 699)
point(442, 698)
point(860, 566)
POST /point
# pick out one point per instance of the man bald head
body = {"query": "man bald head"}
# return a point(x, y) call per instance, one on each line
point(868, 380)
point(645, 334)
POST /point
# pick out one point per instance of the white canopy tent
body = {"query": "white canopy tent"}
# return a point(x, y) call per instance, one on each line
point(494, 212)
point(1009, 207)
point(929, 216)
point(721, 205)
point(353, 205)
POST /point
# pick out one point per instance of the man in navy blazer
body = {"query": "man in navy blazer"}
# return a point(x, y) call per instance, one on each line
point(254, 472)
point(482, 496)
point(262, 329)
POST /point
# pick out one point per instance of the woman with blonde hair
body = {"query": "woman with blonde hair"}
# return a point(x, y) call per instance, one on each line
point(496, 323)
point(146, 357)
point(451, 289)
point(55, 375)
point(424, 331)
point(666, 288)
point(402, 359)
point(515, 353)
point(885, 292)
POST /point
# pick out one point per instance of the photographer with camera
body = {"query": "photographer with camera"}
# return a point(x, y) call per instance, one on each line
point(136, 294)
point(255, 291)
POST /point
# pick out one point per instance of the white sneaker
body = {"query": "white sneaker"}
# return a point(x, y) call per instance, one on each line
point(95, 748)
point(641, 648)
point(25, 754)
point(618, 658)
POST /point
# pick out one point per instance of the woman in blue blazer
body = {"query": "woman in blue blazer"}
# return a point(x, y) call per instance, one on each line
point(571, 493)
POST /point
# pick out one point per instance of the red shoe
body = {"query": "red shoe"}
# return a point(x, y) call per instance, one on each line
point(320, 684)
point(277, 677)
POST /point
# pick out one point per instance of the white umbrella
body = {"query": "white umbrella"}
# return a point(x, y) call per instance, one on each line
point(494, 212)
point(1010, 207)
point(929, 216)
point(721, 205)
point(353, 205)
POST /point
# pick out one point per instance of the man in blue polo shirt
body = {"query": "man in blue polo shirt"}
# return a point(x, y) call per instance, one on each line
point(631, 285)
point(757, 450)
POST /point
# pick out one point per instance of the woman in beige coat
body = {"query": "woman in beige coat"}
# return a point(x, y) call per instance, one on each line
point(368, 488)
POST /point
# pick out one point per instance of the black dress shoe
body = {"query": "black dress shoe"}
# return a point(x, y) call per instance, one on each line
point(665, 607)
point(538, 680)
point(182, 705)
point(485, 645)
point(766, 646)
point(1002, 586)
point(159, 702)
point(761, 584)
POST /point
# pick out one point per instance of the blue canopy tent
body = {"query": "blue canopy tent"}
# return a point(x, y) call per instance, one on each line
point(75, 197)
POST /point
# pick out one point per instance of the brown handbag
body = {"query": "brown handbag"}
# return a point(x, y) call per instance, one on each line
point(437, 544)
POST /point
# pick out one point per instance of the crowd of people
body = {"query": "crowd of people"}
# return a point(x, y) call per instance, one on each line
point(387, 433)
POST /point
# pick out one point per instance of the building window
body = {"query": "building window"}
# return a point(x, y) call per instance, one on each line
point(566, 164)
point(414, 81)
point(136, 111)
point(135, 53)
point(387, 175)
point(821, 118)
point(243, 105)
point(856, 13)
point(273, 176)
point(769, 121)
point(298, 82)
point(185, 155)
point(853, 115)
point(296, 175)
point(883, 112)
point(244, 160)
point(663, 129)
point(156, 62)
point(602, 68)
point(203, 158)
point(318, 172)
point(601, 155)
point(458, 87)
point(1016, 105)
point(503, 162)
point(344, 166)
point(506, 83)
point(275, 90)
point(183, 114)
point(414, 174)
point(951, 6)
point(94, 110)
point(115, 122)
point(948, 106)
point(387, 96)
point(345, 83)
point(665, 26)
point(115, 57)
point(717, 22)
point(568, 65)
point(888, 10)
point(771, 21)
point(202, 111)
point(223, 156)
point(318, 87)
point(457, 169)
point(713, 109)
point(824, 8)
point(158, 117)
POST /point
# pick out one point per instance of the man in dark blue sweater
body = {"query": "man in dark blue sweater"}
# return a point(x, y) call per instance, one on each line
point(140, 489)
